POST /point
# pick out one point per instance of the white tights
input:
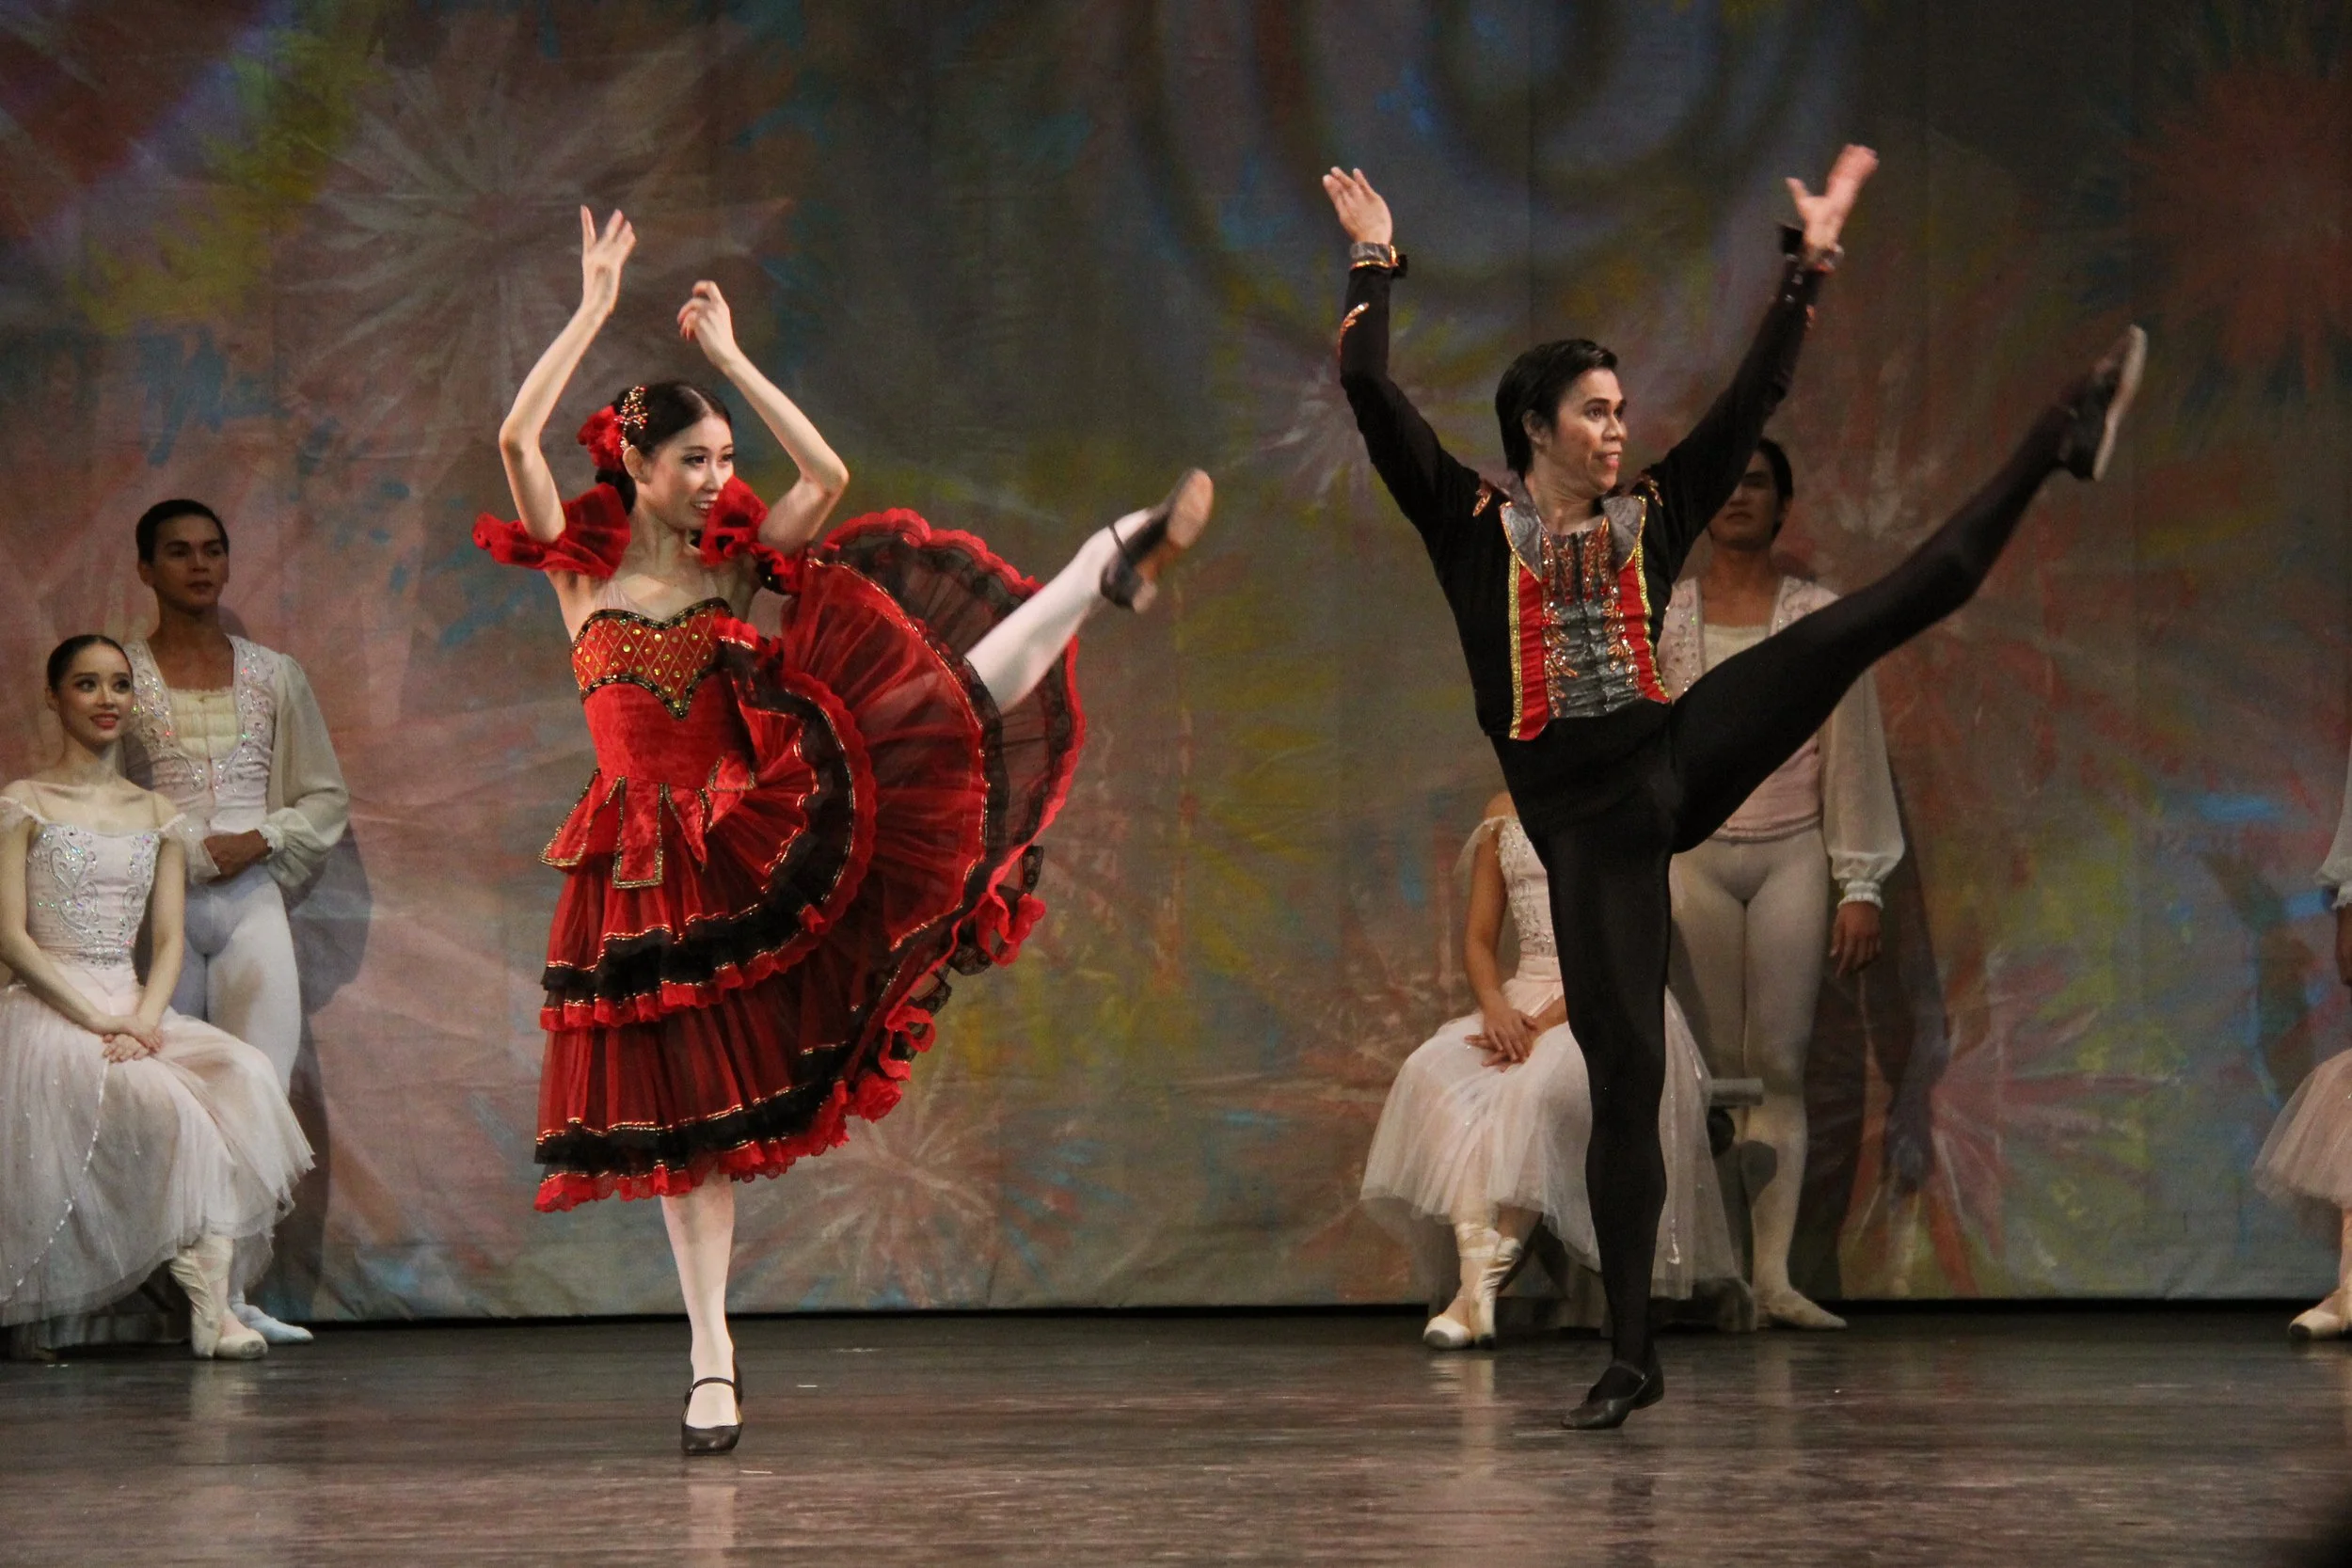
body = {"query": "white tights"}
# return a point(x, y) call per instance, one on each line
point(238, 973)
point(1020, 652)
point(1750, 936)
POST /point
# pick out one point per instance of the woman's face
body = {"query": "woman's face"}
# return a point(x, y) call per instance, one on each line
point(1752, 515)
point(93, 700)
point(1585, 442)
point(680, 479)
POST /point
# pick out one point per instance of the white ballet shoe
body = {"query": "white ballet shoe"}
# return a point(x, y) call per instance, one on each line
point(1509, 1251)
point(1790, 1308)
point(1443, 1333)
point(1475, 1244)
point(269, 1328)
point(214, 1331)
point(2327, 1320)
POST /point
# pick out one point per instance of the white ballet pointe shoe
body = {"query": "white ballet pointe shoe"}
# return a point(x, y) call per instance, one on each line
point(1788, 1308)
point(214, 1331)
point(2327, 1320)
point(1475, 1244)
point(269, 1328)
point(1509, 1253)
point(1443, 1333)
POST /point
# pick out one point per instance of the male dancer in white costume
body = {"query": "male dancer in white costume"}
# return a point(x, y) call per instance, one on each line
point(229, 731)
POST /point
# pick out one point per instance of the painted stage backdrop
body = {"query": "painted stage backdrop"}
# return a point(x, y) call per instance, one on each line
point(1023, 262)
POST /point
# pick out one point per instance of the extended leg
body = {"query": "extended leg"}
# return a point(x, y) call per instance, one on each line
point(1744, 717)
point(1117, 565)
point(702, 1241)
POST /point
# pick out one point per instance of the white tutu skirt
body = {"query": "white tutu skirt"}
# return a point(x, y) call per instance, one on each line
point(1460, 1138)
point(107, 1168)
point(2309, 1152)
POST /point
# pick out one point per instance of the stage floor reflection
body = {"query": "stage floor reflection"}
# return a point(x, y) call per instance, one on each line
point(1997, 1438)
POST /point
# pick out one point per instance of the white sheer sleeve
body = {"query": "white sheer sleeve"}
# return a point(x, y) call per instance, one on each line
point(1859, 821)
point(1479, 835)
point(308, 803)
point(2335, 872)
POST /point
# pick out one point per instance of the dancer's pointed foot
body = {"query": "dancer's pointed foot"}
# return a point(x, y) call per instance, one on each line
point(1790, 1308)
point(1621, 1389)
point(1509, 1253)
point(1446, 1332)
point(2330, 1320)
point(1150, 547)
point(269, 1328)
point(201, 1270)
point(2096, 408)
point(1459, 1326)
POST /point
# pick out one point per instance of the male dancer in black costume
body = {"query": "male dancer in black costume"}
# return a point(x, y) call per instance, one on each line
point(1559, 590)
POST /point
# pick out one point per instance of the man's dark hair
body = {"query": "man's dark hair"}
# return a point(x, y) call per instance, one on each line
point(155, 516)
point(1784, 478)
point(1535, 383)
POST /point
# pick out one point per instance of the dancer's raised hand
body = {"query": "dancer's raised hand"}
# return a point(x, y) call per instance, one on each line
point(601, 257)
point(1363, 211)
point(704, 321)
point(1824, 215)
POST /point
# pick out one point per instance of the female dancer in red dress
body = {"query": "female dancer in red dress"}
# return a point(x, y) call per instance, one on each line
point(786, 841)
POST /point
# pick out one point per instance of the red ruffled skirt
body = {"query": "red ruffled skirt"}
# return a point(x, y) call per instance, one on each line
point(786, 845)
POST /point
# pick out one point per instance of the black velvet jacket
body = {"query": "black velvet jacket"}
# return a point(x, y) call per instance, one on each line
point(1566, 626)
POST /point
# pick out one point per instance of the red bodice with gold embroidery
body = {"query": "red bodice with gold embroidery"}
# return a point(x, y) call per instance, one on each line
point(664, 733)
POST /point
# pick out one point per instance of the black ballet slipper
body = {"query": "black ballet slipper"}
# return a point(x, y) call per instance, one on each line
point(697, 1441)
point(2096, 408)
point(1621, 1389)
point(1166, 532)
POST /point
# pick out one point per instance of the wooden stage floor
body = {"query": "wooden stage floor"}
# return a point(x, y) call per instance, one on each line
point(2068, 1438)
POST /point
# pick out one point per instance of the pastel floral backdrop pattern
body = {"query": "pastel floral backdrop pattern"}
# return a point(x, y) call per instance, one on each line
point(1023, 262)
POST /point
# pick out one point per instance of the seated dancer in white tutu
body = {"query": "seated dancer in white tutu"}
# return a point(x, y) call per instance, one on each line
point(1484, 1130)
point(130, 1136)
point(2307, 1159)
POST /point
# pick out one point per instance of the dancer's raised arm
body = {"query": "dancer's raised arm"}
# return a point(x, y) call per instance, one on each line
point(1433, 489)
point(537, 502)
point(795, 518)
point(1700, 473)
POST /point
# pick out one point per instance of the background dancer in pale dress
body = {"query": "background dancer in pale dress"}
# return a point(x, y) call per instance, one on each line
point(787, 840)
point(1482, 1135)
point(2307, 1161)
point(130, 1134)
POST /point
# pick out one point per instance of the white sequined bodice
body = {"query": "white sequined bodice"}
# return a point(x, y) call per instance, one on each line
point(209, 752)
point(1527, 887)
point(86, 892)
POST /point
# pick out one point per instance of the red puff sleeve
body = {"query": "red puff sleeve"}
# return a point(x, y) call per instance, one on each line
point(733, 533)
point(596, 531)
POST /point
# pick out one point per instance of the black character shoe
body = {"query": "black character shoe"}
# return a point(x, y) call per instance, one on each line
point(2096, 408)
point(1621, 1389)
point(695, 1441)
point(1165, 532)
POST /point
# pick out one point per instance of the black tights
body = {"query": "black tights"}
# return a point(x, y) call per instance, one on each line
point(1609, 908)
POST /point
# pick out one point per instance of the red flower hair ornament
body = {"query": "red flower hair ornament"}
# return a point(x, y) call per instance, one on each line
point(601, 435)
point(608, 426)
